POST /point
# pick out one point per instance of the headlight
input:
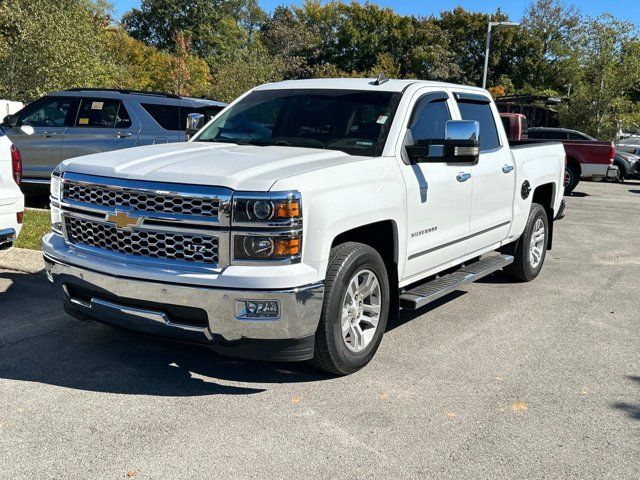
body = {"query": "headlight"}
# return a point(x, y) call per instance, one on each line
point(273, 208)
point(56, 219)
point(56, 184)
point(267, 247)
point(270, 226)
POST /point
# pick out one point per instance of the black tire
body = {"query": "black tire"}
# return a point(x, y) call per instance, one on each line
point(622, 173)
point(331, 351)
point(571, 178)
point(521, 269)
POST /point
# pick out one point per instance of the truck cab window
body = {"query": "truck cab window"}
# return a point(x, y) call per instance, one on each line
point(429, 119)
point(482, 113)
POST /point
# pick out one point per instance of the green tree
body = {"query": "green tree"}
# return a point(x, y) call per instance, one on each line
point(609, 62)
point(50, 45)
point(216, 29)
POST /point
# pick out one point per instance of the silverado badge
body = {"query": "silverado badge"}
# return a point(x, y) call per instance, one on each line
point(123, 221)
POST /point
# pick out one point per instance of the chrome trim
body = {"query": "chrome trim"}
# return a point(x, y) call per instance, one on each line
point(463, 176)
point(152, 221)
point(300, 307)
point(462, 239)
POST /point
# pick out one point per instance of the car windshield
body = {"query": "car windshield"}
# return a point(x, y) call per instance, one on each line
point(355, 122)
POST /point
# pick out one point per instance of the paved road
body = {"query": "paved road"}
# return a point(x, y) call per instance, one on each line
point(538, 380)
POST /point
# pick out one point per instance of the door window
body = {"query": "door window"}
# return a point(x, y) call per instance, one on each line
point(429, 119)
point(482, 113)
point(51, 112)
point(102, 113)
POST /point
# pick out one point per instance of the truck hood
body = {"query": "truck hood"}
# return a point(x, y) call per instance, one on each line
point(239, 167)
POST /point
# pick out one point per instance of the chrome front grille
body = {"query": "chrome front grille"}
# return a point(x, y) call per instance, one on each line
point(147, 243)
point(149, 221)
point(164, 202)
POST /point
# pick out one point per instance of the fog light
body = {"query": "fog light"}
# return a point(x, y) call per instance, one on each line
point(257, 310)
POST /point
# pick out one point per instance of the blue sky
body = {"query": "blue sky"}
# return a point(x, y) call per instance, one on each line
point(623, 9)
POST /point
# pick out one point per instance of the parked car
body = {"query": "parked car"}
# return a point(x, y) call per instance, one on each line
point(629, 144)
point(628, 166)
point(290, 225)
point(78, 122)
point(587, 158)
point(11, 198)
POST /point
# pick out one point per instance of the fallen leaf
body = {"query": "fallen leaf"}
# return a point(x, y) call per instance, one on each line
point(20, 410)
point(499, 378)
point(296, 399)
point(451, 415)
point(584, 391)
point(384, 396)
point(132, 474)
point(520, 407)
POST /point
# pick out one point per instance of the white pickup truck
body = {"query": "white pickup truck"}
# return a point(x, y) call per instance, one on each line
point(296, 221)
point(11, 198)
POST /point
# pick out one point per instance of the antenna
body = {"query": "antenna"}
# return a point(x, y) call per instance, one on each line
point(382, 78)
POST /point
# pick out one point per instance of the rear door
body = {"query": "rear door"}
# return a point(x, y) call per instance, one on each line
point(438, 194)
point(493, 175)
point(39, 134)
point(101, 125)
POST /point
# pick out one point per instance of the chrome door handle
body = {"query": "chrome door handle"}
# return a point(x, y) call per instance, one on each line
point(507, 168)
point(463, 176)
point(48, 134)
point(123, 134)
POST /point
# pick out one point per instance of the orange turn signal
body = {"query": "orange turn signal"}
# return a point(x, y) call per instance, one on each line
point(287, 209)
point(287, 247)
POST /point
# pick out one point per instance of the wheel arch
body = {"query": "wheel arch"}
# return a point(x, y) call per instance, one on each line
point(545, 195)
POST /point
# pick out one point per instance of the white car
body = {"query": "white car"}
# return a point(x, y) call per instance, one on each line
point(11, 198)
point(295, 220)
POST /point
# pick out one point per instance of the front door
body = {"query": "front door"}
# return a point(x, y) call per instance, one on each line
point(438, 194)
point(39, 134)
point(101, 125)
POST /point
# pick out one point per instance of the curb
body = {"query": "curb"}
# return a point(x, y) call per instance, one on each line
point(22, 260)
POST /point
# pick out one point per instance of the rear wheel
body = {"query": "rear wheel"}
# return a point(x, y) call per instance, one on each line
point(571, 178)
point(530, 250)
point(355, 309)
point(621, 174)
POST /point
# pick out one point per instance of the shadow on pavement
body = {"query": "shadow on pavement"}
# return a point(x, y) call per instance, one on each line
point(579, 194)
point(40, 343)
point(632, 410)
point(635, 191)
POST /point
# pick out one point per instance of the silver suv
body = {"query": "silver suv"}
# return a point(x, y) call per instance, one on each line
point(78, 122)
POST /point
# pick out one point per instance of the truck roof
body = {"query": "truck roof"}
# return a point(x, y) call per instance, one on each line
point(360, 84)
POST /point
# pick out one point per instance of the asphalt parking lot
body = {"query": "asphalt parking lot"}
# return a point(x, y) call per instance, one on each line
point(538, 380)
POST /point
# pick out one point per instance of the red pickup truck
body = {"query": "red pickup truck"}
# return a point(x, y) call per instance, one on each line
point(586, 157)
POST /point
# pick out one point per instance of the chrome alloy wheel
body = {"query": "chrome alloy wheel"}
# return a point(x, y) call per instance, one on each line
point(537, 243)
point(361, 310)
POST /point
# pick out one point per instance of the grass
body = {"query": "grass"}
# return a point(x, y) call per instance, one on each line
point(36, 223)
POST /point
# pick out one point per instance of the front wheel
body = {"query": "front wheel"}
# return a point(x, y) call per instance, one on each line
point(354, 311)
point(530, 250)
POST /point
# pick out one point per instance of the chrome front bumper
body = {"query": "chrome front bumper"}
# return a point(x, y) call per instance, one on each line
point(144, 305)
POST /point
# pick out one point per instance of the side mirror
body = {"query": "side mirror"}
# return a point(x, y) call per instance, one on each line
point(460, 145)
point(10, 120)
point(195, 121)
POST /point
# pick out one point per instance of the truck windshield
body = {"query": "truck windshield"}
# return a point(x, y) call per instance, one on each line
point(355, 122)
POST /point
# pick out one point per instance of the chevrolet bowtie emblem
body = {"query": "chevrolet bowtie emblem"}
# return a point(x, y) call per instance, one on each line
point(123, 221)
